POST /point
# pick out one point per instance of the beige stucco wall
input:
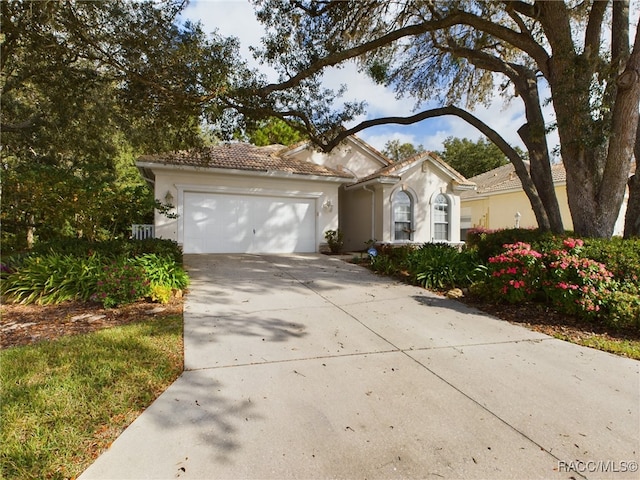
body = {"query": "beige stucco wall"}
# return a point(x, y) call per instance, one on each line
point(351, 157)
point(498, 210)
point(177, 182)
point(357, 221)
point(422, 183)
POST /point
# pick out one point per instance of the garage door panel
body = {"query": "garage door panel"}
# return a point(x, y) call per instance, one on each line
point(221, 223)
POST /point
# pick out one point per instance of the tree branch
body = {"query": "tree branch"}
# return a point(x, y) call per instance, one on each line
point(517, 18)
point(594, 28)
point(521, 41)
point(509, 151)
point(491, 134)
point(17, 127)
point(620, 34)
point(525, 9)
point(484, 60)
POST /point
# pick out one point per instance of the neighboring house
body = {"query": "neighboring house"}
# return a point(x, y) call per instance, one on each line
point(500, 202)
point(239, 198)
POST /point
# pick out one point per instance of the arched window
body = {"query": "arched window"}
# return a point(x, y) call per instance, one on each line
point(402, 216)
point(440, 218)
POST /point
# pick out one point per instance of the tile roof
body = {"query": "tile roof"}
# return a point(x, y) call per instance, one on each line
point(243, 156)
point(504, 178)
point(395, 167)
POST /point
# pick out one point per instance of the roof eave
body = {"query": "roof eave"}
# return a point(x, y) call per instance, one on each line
point(374, 181)
point(462, 187)
point(249, 173)
point(147, 174)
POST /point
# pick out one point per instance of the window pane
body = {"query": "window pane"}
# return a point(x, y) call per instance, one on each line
point(440, 231)
point(403, 213)
point(441, 218)
point(402, 231)
point(440, 213)
point(402, 216)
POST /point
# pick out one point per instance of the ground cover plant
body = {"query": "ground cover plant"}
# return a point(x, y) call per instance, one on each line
point(64, 401)
point(592, 283)
point(434, 266)
point(112, 273)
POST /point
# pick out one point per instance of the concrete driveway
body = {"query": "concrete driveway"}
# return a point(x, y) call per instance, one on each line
point(305, 366)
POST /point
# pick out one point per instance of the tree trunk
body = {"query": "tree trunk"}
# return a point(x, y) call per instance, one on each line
point(541, 176)
point(31, 230)
point(625, 133)
point(632, 219)
point(596, 153)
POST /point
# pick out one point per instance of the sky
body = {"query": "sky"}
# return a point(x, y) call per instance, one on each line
point(236, 18)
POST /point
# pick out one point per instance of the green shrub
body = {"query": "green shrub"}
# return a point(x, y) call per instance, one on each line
point(81, 247)
point(159, 246)
point(335, 240)
point(489, 243)
point(162, 270)
point(622, 310)
point(441, 266)
point(563, 277)
point(622, 257)
point(160, 293)
point(76, 269)
point(384, 264)
point(52, 278)
point(120, 283)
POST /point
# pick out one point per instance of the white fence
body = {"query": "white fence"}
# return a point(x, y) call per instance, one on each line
point(142, 232)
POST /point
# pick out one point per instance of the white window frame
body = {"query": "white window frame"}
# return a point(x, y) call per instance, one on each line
point(412, 203)
point(434, 204)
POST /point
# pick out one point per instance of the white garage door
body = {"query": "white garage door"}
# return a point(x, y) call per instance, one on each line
point(223, 223)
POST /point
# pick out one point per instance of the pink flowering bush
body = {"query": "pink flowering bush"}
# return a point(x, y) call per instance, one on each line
point(515, 273)
point(595, 280)
point(576, 285)
point(120, 284)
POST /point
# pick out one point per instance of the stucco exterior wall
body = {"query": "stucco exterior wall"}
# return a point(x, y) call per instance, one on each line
point(498, 210)
point(422, 182)
point(358, 221)
point(350, 157)
point(178, 182)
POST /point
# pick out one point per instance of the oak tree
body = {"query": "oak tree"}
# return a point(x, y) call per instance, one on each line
point(397, 151)
point(86, 87)
point(579, 54)
point(472, 158)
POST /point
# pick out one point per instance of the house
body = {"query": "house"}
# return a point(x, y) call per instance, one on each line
point(239, 198)
point(498, 201)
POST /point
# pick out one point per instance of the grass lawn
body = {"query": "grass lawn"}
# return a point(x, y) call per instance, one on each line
point(622, 347)
point(64, 401)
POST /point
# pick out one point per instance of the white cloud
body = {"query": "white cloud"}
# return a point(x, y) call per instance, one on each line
point(228, 18)
point(381, 101)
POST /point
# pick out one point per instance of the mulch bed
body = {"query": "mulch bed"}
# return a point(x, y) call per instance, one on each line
point(541, 318)
point(28, 324)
